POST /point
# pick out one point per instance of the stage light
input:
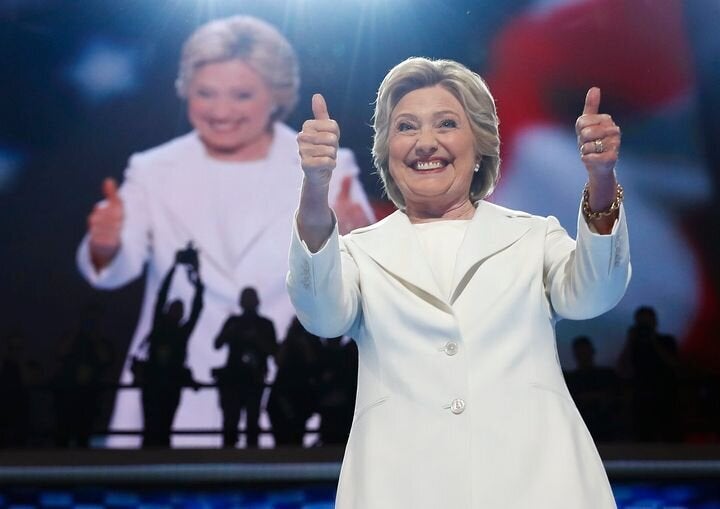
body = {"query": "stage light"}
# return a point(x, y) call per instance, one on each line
point(11, 162)
point(105, 69)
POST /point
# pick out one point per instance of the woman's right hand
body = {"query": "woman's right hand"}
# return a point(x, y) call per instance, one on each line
point(318, 147)
point(105, 225)
point(318, 144)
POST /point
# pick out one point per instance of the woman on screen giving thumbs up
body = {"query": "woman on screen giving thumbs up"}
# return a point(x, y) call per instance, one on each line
point(228, 189)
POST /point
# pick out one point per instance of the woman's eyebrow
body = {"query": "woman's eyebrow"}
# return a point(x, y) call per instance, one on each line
point(405, 115)
point(435, 114)
point(446, 112)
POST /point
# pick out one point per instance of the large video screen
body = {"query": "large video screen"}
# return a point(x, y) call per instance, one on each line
point(93, 91)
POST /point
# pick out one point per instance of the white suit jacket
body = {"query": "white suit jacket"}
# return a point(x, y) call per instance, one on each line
point(462, 403)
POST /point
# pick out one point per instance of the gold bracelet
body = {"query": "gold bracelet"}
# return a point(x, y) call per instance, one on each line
point(614, 206)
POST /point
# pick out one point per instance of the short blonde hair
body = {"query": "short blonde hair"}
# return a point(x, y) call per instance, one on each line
point(255, 42)
point(468, 88)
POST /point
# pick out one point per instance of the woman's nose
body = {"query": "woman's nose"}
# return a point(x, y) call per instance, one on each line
point(426, 143)
point(220, 108)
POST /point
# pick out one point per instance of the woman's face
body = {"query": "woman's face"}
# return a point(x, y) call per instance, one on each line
point(431, 150)
point(229, 106)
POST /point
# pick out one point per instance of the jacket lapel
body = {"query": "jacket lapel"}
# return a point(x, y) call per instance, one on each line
point(393, 244)
point(492, 230)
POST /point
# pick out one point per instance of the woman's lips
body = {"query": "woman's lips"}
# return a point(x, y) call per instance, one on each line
point(224, 126)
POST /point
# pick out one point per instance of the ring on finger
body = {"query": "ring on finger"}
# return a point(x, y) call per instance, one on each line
point(599, 146)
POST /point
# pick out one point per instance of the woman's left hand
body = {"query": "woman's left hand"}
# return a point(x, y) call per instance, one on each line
point(598, 138)
point(599, 143)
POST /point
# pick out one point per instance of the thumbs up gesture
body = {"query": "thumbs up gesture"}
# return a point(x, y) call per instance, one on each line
point(318, 144)
point(598, 138)
point(349, 213)
point(105, 224)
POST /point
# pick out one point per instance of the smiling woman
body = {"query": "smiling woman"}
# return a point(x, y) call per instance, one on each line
point(453, 301)
point(432, 155)
point(200, 202)
point(230, 106)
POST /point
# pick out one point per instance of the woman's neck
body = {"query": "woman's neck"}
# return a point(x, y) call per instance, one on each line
point(418, 213)
point(256, 150)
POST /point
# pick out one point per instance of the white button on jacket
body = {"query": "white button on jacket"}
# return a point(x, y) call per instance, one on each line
point(450, 348)
point(457, 406)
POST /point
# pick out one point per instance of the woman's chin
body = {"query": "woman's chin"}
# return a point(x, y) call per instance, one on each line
point(233, 151)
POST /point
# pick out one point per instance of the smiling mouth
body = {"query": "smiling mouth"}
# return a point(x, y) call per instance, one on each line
point(434, 164)
point(224, 126)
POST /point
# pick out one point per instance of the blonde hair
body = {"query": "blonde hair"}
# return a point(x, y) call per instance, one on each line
point(255, 42)
point(472, 93)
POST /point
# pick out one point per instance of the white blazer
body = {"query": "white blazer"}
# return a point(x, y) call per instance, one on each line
point(461, 403)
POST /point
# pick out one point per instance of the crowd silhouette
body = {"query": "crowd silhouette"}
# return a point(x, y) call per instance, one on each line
point(78, 379)
point(650, 395)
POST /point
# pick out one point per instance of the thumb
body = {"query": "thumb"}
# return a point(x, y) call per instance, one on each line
point(319, 107)
point(345, 187)
point(110, 190)
point(592, 101)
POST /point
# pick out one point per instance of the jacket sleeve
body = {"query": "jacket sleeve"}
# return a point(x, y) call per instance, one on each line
point(587, 277)
point(324, 286)
point(135, 237)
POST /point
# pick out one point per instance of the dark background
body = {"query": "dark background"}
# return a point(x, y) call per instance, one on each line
point(62, 141)
point(59, 137)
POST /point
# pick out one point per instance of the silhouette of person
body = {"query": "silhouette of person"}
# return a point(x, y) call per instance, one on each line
point(250, 339)
point(337, 388)
point(14, 393)
point(164, 374)
point(595, 391)
point(293, 397)
point(84, 359)
point(650, 360)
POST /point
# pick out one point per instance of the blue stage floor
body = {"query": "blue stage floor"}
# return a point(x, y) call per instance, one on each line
point(629, 495)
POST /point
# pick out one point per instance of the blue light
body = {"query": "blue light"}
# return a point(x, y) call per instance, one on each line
point(11, 162)
point(57, 499)
point(105, 69)
point(680, 493)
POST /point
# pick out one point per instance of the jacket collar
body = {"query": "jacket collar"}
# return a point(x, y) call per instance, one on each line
point(395, 246)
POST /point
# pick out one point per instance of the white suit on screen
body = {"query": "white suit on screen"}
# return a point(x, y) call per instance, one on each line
point(461, 402)
point(239, 217)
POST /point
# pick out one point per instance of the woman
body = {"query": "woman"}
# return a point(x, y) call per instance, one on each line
point(452, 302)
point(227, 187)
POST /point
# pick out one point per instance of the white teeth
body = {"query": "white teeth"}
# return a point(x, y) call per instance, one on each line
point(429, 165)
point(223, 127)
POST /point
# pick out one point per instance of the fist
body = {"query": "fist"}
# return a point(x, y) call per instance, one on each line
point(350, 214)
point(598, 137)
point(105, 224)
point(318, 143)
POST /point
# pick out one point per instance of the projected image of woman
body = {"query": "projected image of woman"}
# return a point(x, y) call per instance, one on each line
point(453, 301)
point(227, 190)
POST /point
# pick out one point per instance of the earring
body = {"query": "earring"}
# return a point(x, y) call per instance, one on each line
point(477, 167)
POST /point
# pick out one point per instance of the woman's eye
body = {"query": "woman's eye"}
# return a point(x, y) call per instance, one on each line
point(242, 96)
point(205, 94)
point(404, 126)
point(448, 122)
